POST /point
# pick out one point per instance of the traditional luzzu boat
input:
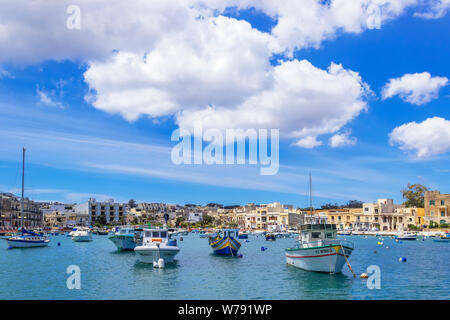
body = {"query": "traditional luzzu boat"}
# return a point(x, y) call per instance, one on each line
point(224, 242)
point(125, 238)
point(319, 250)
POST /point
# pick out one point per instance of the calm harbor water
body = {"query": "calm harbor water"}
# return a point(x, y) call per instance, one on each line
point(40, 273)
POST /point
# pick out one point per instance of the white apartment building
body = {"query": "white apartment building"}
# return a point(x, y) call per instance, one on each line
point(103, 212)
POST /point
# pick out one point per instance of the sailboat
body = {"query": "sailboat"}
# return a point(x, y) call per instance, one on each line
point(318, 248)
point(27, 239)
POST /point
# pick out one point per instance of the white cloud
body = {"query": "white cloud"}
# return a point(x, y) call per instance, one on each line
point(425, 139)
point(307, 23)
point(218, 61)
point(46, 99)
point(36, 31)
point(435, 10)
point(304, 101)
point(308, 142)
point(417, 88)
point(342, 139)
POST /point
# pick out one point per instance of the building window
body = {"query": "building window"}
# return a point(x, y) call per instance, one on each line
point(442, 213)
point(432, 213)
point(366, 209)
point(442, 202)
point(432, 203)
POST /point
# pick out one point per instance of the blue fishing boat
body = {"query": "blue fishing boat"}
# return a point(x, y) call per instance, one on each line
point(243, 235)
point(443, 238)
point(224, 242)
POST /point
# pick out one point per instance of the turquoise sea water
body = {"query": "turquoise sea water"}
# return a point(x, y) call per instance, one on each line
point(40, 273)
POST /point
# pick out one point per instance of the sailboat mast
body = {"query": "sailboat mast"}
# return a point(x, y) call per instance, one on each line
point(23, 188)
point(310, 194)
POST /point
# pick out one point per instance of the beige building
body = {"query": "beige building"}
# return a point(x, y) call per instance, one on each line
point(437, 207)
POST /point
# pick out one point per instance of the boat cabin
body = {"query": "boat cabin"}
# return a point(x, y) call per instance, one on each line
point(232, 233)
point(125, 230)
point(317, 232)
point(155, 235)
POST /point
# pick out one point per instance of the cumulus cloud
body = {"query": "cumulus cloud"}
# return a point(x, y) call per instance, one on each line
point(36, 31)
point(436, 9)
point(218, 61)
point(303, 101)
point(182, 58)
point(417, 88)
point(424, 139)
point(342, 139)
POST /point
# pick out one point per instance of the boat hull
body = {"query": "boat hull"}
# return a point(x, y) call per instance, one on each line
point(328, 259)
point(225, 246)
point(153, 254)
point(26, 243)
point(123, 242)
point(81, 238)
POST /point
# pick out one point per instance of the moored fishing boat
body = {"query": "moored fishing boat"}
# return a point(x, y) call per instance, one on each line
point(243, 235)
point(125, 238)
point(443, 238)
point(155, 244)
point(270, 237)
point(407, 236)
point(224, 242)
point(82, 234)
point(319, 250)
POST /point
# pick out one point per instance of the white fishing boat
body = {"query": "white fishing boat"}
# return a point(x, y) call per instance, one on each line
point(407, 236)
point(319, 250)
point(26, 239)
point(82, 234)
point(156, 247)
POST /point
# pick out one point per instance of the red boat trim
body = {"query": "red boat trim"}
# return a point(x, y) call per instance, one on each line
point(324, 255)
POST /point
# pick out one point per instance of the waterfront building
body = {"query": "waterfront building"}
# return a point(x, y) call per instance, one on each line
point(437, 207)
point(103, 212)
point(195, 217)
point(10, 213)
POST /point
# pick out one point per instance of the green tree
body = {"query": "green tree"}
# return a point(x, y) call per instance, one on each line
point(132, 203)
point(414, 195)
point(207, 220)
point(179, 221)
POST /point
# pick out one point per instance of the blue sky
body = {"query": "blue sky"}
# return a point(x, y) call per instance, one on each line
point(78, 148)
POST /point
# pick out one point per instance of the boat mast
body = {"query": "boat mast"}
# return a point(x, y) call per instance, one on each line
point(23, 188)
point(310, 194)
